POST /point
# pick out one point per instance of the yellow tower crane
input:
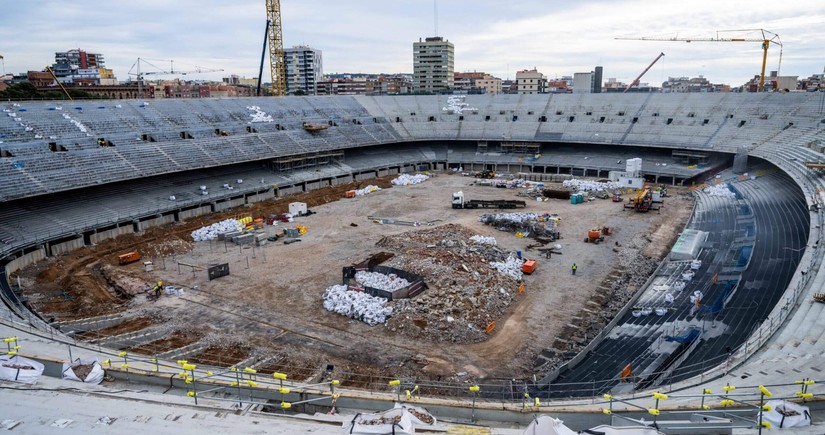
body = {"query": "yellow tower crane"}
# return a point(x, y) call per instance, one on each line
point(765, 37)
point(276, 47)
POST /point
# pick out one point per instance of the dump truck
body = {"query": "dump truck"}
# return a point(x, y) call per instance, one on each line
point(460, 202)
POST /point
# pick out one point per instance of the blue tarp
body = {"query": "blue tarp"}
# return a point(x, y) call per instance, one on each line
point(687, 337)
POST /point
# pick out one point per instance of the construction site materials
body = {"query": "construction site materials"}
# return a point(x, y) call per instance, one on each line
point(367, 190)
point(381, 281)
point(87, 371)
point(349, 194)
point(511, 267)
point(529, 224)
point(459, 202)
point(819, 297)
point(18, 369)
point(406, 179)
point(528, 267)
point(211, 232)
point(356, 305)
point(484, 240)
point(577, 185)
point(719, 190)
point(392, 221)
point(129, 257)
point(395, 421)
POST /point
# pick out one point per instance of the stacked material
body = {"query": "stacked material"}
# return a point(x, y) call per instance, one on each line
point(719, 190)
point(367, 190)
point(526, 223)
point(578, 185)
point(510, 267)
point(211, 232)
point(356, 305)
point(76, 123)
point(484, 240)
point(259, 115)
point(390, 282)
point(406, 180)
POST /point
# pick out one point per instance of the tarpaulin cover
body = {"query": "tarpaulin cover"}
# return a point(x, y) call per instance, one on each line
point(688, 245)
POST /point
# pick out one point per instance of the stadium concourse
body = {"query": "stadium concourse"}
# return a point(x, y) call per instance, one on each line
point(77, 173)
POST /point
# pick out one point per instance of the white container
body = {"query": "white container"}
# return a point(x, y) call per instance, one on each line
point(297, 208)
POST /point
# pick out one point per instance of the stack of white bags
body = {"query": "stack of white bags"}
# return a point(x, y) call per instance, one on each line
point(356, 305)
point(211, 232)
point(406, 180)
point(484, 240)
point(578, 185)
point(367, 190)
point(719, 190)
point(381, 281)
point(511, 267)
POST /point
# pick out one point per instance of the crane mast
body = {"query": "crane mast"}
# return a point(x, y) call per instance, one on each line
point(636, 81)
point(276, 47)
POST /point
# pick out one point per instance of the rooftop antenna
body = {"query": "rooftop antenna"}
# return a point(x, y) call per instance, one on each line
point(435, 17)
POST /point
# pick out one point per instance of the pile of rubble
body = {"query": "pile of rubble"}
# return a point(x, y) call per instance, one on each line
point(465, 292)
point(526, 223)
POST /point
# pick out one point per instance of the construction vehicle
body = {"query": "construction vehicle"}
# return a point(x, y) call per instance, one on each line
point(636, 81)
point(486, 174)
point(129, 257)
point(596, 235)
point(460, 202)
point(643, 201)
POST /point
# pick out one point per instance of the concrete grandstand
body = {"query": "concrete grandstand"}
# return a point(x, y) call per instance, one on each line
point(77, 173)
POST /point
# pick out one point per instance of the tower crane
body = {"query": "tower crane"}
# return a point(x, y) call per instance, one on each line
point(636, 81)
point(274, 35)
point(139, 74)
point(767, 38)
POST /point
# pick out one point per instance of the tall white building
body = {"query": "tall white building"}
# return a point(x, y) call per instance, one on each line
point(304, 68)
point(433, 65)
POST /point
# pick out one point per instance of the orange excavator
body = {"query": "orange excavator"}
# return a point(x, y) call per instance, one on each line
point(642, 201)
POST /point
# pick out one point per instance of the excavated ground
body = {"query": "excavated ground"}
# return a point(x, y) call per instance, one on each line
point(270, 306)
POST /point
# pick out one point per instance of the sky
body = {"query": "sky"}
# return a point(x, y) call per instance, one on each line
point(372, 36)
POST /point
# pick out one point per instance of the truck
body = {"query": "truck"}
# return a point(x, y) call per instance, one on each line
point(460, 202)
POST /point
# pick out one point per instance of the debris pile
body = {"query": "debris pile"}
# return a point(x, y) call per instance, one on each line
point(484, 240)
point(406, 180)
point(579, 185)
point(719, 190)
point(211, 232)
point(465, 293)
point(510, 267)
point(381, 281)
point(367, 190)
point(356, 305)
point(524, 223)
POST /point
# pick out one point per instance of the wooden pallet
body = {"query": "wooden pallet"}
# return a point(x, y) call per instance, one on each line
point(819, 297)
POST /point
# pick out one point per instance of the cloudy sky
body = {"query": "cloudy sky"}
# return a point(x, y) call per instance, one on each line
point(558, 38)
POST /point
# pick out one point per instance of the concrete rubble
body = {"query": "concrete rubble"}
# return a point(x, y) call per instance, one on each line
point(465, 294)
point(381, 281)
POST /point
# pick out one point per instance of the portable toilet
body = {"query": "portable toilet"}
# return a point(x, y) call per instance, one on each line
point(573, 199)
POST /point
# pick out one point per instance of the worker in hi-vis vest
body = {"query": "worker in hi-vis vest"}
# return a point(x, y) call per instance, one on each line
point(574, 268)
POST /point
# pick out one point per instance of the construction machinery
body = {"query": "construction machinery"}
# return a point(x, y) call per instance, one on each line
point(63, 88)
point(596, 235)
point(460, 202)
point(129, 257)
point(485, 174)
point(641, 202)
point(765, 37)
point(635, 82)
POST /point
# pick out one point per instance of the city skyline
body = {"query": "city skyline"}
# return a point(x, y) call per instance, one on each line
point(370, 36)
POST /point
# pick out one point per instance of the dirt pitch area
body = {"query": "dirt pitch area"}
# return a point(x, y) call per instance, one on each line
point(272, 300)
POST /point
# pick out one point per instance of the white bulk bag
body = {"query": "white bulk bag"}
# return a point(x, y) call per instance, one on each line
point(418, 415)
point(380, 423)
point(787, 414)
point(19, 369)
point(95, 376)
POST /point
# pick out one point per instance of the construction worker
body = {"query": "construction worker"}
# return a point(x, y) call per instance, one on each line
point(574, 268)
point(157, 289)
